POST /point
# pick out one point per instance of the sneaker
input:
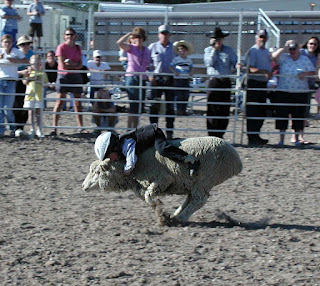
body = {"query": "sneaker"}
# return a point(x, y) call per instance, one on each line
point(39, 134)
point(20, 133)
point(31, 134)
point(193, 168)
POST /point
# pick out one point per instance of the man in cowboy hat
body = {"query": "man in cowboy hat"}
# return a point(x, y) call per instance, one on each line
point(161, 56)
point(220, 61)
point(259, 67)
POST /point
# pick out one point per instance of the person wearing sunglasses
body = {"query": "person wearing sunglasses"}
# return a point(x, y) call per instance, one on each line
point(138, 61)
point(311, 49)
point(69, 58)
point(21, 116)
point(293, 83)
point(258, 64)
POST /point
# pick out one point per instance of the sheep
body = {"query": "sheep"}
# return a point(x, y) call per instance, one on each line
point(155, 175)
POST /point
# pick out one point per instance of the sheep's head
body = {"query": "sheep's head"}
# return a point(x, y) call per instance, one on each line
point(97, 168)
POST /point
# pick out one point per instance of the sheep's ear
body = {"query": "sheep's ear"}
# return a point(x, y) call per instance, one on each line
point(104, 166)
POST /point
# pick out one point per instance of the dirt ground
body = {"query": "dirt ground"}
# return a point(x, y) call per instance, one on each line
point(53, 233)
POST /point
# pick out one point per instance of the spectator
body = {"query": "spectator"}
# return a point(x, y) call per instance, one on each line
point(298, 66)
point(21, 115)
point(259, 69)
point(310, 49)
point(50, 64)
point(9, 58)
point(162, 55)
point(138, 61)
point(9, 20)
point(104, 106)
point(36, 12)
point(123, 56)
point(220, 60)
point(34, 80)
point(182, 66)
point(69, 58)
point(96, 67)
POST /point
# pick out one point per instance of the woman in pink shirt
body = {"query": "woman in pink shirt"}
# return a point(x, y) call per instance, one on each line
point(69, 58)
point(138, 61)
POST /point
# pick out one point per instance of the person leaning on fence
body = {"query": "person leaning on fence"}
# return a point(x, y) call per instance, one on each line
point(10, 58)
point(294, 69)
point(36, 11)
point(161, 56)
point(9, 20)
point(97, 67)
point(134, 142)
point(50, 64)
point(182, 67)
point(104, 105)
point(220, 60)
point(258, 62)
point(311, 49)
point(69, 58)
point(35, 80)
point(21, 115)
point(138, 61)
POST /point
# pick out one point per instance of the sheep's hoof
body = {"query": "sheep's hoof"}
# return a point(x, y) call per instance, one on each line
point(164, 218)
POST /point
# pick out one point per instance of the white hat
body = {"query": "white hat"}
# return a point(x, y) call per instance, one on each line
point(182, 43)
point(96, 53)
point(101, 145)
point(164, 28)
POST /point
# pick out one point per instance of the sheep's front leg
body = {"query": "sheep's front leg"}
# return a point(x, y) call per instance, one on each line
point(155, 189)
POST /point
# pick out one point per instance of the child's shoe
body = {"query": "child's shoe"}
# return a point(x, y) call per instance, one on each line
point(39, 134)
point(31, 134)
point(193, 168)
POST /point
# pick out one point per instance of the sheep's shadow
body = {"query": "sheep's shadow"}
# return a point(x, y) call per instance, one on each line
point(253, 226)
point(261, 224)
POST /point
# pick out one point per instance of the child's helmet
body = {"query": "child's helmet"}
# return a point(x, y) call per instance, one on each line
point(105, 144)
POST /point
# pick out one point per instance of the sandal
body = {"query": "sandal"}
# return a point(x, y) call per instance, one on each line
point(83, 131)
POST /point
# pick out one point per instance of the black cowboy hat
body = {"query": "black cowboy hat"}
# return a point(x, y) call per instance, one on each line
point(217, 34)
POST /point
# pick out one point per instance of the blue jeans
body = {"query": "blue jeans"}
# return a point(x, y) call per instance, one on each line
point(7, 101)
point(133, 93)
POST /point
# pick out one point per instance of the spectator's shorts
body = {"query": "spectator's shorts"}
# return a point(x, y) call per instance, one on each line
point(33, 104)
point(35, 27)
point(70, 79)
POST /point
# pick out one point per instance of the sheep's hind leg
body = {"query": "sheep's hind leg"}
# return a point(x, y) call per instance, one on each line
point(194, 202)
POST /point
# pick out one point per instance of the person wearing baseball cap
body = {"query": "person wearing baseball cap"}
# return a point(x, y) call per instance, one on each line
point(96, 68)
point(258, 62)
point(219, 60)
point(161, 56)
point(295, 69)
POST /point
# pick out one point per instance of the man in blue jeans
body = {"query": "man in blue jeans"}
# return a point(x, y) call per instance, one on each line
point(161, 56)
point(259, 63)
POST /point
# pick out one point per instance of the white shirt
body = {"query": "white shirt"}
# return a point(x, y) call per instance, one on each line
point(97, 77)
point(9, 70)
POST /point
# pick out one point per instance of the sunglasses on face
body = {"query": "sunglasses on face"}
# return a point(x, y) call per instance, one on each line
point(71, 34)
point(25, 44)
point(136, 37)
point(262, 37)
point(292, 49)
point(313, 44)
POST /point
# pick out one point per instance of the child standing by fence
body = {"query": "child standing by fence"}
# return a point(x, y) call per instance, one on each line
point(33, 100)
point(182, 65)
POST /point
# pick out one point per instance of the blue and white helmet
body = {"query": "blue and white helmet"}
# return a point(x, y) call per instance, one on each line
point(101, 145)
